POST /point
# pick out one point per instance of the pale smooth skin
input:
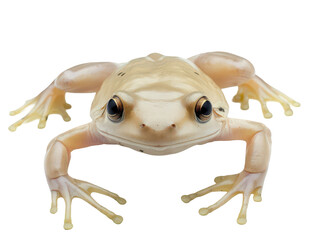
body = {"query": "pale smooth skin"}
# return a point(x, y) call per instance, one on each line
point(159, 94)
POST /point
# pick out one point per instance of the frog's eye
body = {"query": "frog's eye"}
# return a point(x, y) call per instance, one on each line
point(115, 109)
point(203, 110)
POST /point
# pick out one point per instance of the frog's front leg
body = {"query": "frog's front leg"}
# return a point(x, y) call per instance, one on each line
point(251, 179)
point(62, 185)
point(228, 70)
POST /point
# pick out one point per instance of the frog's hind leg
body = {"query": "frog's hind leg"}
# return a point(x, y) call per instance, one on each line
point(228, 70)
point(83, 78)
point(259, 90)
point(50, 101)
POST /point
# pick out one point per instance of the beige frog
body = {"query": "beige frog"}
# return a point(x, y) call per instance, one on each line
point(158, 105)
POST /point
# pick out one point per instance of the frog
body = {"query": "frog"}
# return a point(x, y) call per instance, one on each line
point(158, 105)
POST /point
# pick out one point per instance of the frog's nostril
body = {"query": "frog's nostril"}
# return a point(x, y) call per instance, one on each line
point(157, 127)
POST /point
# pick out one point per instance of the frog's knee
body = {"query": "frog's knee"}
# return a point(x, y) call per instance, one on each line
point(264, 129)
point(65, 81)
point(54, 141)
point(267, 132)
point(51, 143)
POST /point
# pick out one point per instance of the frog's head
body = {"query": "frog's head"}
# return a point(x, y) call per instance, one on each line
point(161, 113)
point(160, 126)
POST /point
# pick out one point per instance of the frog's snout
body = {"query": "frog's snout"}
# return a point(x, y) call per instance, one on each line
point(157, 127)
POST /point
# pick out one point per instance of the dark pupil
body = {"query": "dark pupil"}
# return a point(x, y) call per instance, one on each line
point(206, 108)
point(112, 107)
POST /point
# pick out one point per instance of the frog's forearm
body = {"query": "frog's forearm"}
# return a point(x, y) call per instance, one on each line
point(85, 78)
point(56, 160)
point(59, 150)
point(257, 137)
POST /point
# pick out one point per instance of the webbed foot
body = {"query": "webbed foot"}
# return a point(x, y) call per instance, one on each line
point(261, 91)
point(50, 101)
point(69, 188)
point(244, 182)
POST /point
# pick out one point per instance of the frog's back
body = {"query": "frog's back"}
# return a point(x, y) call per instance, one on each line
point(158, 74)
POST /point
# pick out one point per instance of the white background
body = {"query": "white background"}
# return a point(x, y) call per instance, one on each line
point(40, 39)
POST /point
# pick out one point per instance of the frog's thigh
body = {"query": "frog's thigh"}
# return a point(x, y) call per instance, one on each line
point(225, 69)
point(86, 77)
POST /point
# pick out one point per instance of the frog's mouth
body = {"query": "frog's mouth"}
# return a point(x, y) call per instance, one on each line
point(160, 149)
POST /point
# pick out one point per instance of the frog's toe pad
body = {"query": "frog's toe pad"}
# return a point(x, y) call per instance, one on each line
point(120, 200)
point(186, 198)
point(53, 210)
point(242, 220)
point(203, 211)
point(68, 226)
point(117, 219)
